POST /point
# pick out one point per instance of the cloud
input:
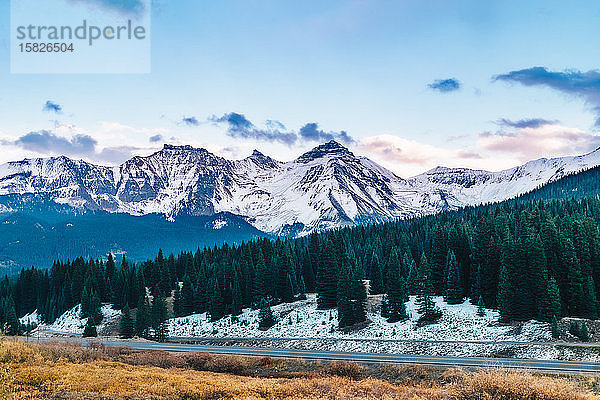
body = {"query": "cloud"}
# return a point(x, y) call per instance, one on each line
point(189, 121)
point(550, 140)
point(125, 7)
point(80, 145)
point(583, 85)
point(311, 131)
point(156, 138)
point(525, 123)
point(274, 124)
point(410, 157)
point(53, 107)
point(445, 85)
point(47, 142)
point(238, 126)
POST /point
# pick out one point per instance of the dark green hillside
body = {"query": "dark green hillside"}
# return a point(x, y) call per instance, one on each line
point(577, 186)
point(36, 238)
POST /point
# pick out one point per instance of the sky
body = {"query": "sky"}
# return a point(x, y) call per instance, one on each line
point(410, 84)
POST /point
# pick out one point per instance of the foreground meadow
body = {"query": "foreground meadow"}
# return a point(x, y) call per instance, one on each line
point(67, 371)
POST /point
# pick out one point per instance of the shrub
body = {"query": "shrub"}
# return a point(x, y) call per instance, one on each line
point(344, 369)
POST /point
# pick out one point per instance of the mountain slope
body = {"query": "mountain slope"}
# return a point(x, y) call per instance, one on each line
point(324, 188)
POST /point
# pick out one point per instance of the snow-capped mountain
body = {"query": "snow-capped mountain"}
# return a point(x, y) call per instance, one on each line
point(326, 187)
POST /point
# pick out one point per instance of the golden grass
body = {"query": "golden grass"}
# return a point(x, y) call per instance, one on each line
point(61, 371)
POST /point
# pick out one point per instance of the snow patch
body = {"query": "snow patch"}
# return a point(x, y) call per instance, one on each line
point(302, 319)
point(31, 318)
point(219, 223)
point(72, 323)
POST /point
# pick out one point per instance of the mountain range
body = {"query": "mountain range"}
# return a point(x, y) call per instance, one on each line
point(326, 187)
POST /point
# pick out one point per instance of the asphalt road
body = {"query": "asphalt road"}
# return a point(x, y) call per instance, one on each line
point(477, 362)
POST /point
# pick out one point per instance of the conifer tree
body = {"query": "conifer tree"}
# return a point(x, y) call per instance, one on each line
point(590, 304)
point(412, 281)
point(217, 306)
point(177, 302)
point(236, 303)
point(265, 316)
point(159, 315)
point(126, 323)
point(395, 292)
point(143, 317)
point(327, 278)
point(549, 300)
point(344, 301)
point(90, 329)
point(480, 307)
point(187, 296)
point(375, 276)
point(8, 316)
point(584, 334)
point(426, 306)
point(453, 293)
point(259, 286)
point(201, 297)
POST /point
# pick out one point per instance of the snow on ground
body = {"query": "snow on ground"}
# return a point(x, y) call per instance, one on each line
point(302, 319)
point(72, 323)
point(31, 318)
point(459, 332)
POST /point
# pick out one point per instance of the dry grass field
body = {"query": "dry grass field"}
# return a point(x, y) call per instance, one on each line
point(67, 371)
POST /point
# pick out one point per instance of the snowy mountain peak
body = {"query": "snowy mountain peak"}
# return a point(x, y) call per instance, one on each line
point(177, 147)
point(331, 148)
point(260, 159)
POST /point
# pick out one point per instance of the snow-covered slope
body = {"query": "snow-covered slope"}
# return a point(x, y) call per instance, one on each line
point(471, 187)
point(326, 187)
point(302, 319)
point(72, 323)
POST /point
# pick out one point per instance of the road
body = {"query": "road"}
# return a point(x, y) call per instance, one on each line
point(476, 362)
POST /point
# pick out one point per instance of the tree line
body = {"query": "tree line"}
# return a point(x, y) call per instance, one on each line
point(528, 259)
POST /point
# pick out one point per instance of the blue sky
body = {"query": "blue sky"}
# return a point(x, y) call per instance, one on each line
point(410, 84)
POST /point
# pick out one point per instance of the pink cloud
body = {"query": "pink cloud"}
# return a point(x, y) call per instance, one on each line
point(550, 140)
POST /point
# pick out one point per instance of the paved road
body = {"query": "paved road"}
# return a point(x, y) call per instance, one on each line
point(538, 365)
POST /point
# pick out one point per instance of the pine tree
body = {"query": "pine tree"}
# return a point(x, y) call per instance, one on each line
point(217, 306)
point(143, 317)
point(187, 296)
point(505, 295)
point(412, 282)
point(426, 307)
point(480, 307)
point(344, 294)
point(236, 302)
point(265, 316)
point(549, 301)
point(159, 315)
point(359, 297)
point(90, 329)
point(158, 311)
point(395, 291)
point(259, 286)
point(177, 301)
point(126, 323)
point(453, 293)
point(375, 276)
point(590, 303)
point(327, 278)
point(8, 316)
